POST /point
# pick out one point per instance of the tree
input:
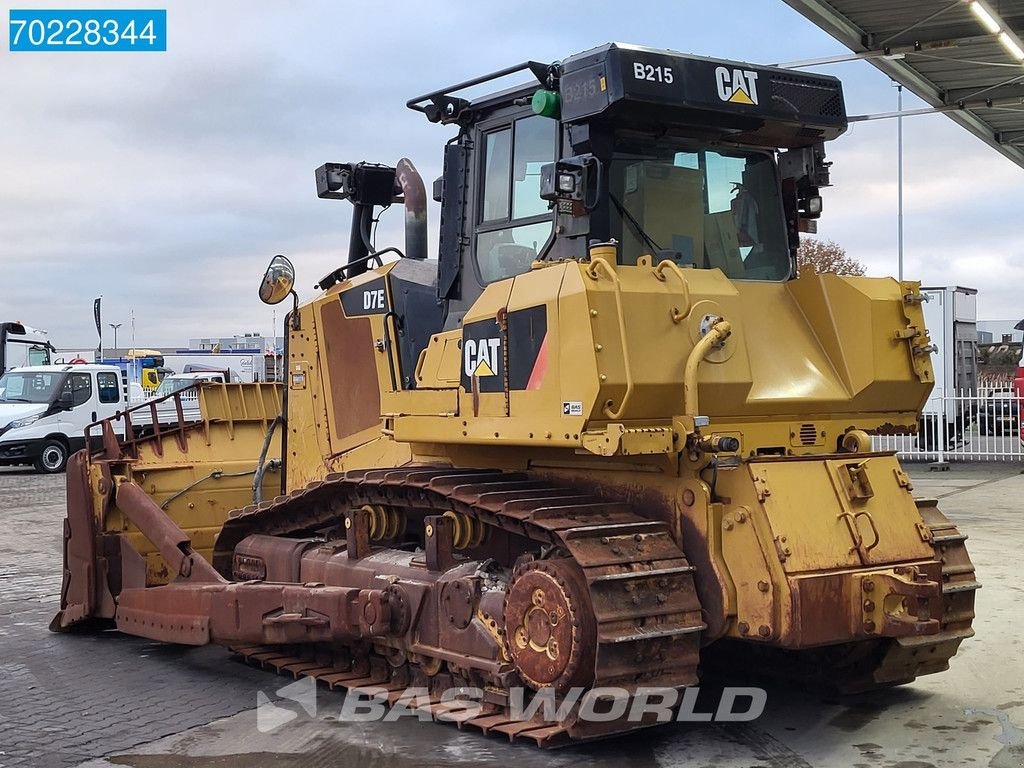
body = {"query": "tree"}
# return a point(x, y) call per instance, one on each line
point(827, 256)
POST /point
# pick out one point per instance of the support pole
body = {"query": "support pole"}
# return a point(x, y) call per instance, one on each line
point(899, 173)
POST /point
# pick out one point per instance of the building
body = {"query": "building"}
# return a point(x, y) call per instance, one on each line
point(247, 341)
point(995, 331)
point(999, 353)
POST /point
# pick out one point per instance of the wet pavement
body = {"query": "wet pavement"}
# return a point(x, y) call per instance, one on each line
point(111, 700)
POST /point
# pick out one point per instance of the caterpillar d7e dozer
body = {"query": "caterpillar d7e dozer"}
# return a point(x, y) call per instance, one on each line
point(609, 434)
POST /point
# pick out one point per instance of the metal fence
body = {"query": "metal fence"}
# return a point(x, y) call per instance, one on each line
point(963, 427)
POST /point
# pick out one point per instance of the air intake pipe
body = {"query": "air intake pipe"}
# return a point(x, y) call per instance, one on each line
point(415, 196)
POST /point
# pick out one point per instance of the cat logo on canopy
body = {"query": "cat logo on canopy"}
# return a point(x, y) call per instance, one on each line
point(481, 356)
point(736, 86)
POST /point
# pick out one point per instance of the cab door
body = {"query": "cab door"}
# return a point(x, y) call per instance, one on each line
point(79, 393)
point(108, 394)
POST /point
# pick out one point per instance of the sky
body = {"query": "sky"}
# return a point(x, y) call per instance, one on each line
point(166, 181)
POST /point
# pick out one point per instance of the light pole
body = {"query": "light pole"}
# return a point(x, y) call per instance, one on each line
point(115, 326)
point(899, 173)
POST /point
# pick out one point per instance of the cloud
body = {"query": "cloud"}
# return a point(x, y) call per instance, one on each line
point(959, 225)
point(166, 181)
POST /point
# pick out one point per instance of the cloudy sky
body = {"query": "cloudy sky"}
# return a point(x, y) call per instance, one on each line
point(165, 181)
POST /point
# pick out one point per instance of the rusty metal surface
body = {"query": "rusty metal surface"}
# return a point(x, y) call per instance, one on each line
point(641, 586)
point(907, 657)
point(173, 544)
point(377, 678)
point(79, 577)
point(615, 606)
point(374, 677)
point(103, 551)
point(609, 602)
point(550, 624)
point(254, 612)
point(881, 662)
point(351, 366)
point(269, 558)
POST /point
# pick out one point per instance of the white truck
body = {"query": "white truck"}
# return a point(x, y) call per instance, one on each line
point(951, 317)
point(240, 366)
point(166, 410)
point(21, 345)
point(45, 409)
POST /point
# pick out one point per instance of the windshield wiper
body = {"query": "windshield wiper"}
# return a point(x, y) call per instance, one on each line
point(636, 225)
point(15, 400)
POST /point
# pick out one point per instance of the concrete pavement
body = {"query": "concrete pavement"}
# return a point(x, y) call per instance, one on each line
point(972, 715)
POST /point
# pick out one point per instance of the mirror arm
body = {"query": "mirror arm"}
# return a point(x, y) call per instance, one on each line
point(340, 273)
point(293, 317)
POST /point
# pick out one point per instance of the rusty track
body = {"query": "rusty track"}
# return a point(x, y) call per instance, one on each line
point(373, 677)
point(638, 582)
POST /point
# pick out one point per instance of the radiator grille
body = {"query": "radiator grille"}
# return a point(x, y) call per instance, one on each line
point(808, 434)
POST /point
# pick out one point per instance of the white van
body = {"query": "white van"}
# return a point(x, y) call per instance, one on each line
point(44, 410)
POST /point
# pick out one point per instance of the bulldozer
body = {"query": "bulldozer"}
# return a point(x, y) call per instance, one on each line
point(606, 439)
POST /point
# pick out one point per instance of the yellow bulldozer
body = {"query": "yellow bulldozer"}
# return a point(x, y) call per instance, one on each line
point(607, 436)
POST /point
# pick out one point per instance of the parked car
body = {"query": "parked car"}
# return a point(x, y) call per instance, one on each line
point(1000, 414)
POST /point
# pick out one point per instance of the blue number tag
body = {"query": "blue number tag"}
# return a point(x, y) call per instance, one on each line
point(87, 30)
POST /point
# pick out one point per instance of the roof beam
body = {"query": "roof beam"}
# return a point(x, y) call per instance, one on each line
point(1010, 137)
point(934, 15)
point(1013, 88)
point(980, 104)
point(829, 18)
point(954, 30)
point(889, 52)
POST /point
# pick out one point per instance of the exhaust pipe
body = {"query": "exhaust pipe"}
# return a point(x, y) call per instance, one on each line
point(415, 195)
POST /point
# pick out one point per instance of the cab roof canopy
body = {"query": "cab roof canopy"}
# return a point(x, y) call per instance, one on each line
point(641, 87)
point(962, 57)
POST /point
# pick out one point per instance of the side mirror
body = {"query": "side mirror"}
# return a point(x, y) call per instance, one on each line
point(278, 281)
point(66, 401)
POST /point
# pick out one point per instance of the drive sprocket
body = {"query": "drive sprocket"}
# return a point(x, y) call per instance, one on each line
point(550, 626)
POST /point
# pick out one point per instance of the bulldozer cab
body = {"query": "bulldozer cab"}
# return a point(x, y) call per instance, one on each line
point(709, 164)
point(669, 155)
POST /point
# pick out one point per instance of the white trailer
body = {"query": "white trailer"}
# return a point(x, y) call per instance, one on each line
point(951, 317)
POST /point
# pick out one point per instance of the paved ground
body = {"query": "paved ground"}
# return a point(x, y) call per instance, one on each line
point(67, 697)
point(113, 700)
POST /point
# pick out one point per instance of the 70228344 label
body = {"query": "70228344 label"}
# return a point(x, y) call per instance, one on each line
point(40, 29)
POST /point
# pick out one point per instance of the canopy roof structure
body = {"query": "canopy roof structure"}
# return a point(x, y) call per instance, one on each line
point(963, 57)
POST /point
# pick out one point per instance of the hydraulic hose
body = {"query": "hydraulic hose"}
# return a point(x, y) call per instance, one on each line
point(718, 333)
point(262, 465)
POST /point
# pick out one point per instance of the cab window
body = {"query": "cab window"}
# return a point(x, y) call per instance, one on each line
point(107, 387)
point(38, 355)
point(496, 175)
point(700, 206)
point(80, 387)
point(514, 223)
